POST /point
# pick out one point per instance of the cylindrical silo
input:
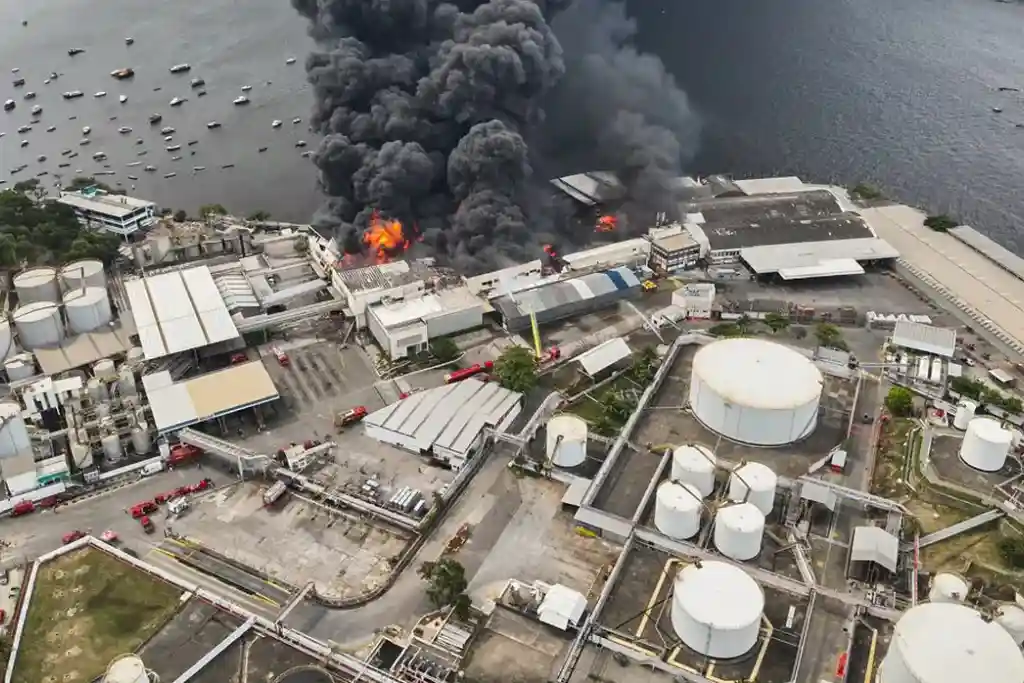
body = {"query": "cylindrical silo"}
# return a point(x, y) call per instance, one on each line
point(39, 325)
point(96, 389)
point(695, 464)
point(964, 414)
point(135, 355)
point(739, 531)
point(80, 274)
point(566, 441)
point(14, 439)
point(20, 367)
point(945, 642)
point(755, 391)
point(8, 347)
point(1011, 617)
point(37, 284)
point(87, 309)
point(126, 669)
point(717, 609)
point(948, 587)
point(140, 439)
point(761, 481)
point(104, 370)
point(677, 510)
point(111, 447)
point(126, 382)
point(985, 445)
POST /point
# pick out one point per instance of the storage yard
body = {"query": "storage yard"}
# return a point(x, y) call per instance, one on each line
point(673, 486)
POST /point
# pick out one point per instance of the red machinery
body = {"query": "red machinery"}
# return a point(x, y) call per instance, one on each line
point(72, 536)
point(23, 507)
point(182, 453)
point(466, 373)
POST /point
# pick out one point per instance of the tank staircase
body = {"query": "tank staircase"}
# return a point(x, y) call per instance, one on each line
point(232, 454)
point(960, 527)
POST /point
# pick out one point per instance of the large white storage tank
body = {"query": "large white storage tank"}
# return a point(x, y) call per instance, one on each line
point(8, 347)
point(39, 325)
point(739, 531)
point(1011, 617)
point(947, 587)
point(986, 445)
point(717, 609)
point(37, 284)
point(14, 439)
point(943, 642)
point(695, 464)
point(87, 309)
point(762, 482)
point(677, 509)
point(755, 391)
point(81, 274)
point(126, 669)
point(964, 414)
point(566, 441)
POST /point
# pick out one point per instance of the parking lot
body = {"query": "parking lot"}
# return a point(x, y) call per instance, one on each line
point(296, 541)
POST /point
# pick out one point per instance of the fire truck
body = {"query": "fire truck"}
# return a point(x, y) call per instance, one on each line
point(466, 373)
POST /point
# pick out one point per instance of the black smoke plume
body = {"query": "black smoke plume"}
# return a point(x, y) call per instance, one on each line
point(437, 113)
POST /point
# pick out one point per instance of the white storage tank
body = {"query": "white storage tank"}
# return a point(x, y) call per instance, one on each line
point(39, 325)
point(986, 445)
point(37, 284)
point(1011, 617)
point(135, 355)
point(111, 444)
point(964, 414)
point(87, 309)
point(566, 441)
point(739, 531)
point(126, 669)
point(14, 439)
point(140, 439)
point(126, 382)
point(85, 273)
point(104, 370)
point(945, 642)
point(755, 391)
point(948, 587)
point(96, 389)
point(717, 609)
point(695, 464)
point(8, 347)
point(762, 482)
point(20, 367)
point(677, 509)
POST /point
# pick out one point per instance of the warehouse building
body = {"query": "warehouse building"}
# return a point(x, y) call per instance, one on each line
point(363, 287)
point(406, 327)
point(676, 247)
point(632, 253)
point(921, 338)
point(119, 214)
point(560, 300)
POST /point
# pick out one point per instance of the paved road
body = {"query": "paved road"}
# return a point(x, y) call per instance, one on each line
point(205, 563)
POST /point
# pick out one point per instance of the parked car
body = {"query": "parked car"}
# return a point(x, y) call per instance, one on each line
point(73, 536)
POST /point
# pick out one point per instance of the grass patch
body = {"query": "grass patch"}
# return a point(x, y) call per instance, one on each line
point(87, 608)
point(891, 459)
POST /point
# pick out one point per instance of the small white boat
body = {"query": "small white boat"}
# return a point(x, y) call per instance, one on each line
point(133, 164)
point(37, 110)
point(300, 143)
point(276, 123)
point(83, 142)
point(180, 68)
point(170, 175)
point(290, 60)
point(124, 130)
point(99, 156)
point(168, 138)
point(173, 148)
point(24, 143)
point(2, 134)
point(86, 130)
point(241, 100)
point(175, 158)
point(129, 41)
point(149, 169)
point(15, 70)
point(167, 130)
point(46, 82)
point(177, 101)
point(246, 88)
point(101, 93)
point(9, 105)
point(196, 169)
point(213, 124)
point(296, 121)
point(122, 99)
point(24, 129)
point(51, 129)
point(30, 95)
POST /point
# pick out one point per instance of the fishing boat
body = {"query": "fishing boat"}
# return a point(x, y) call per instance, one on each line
point(122, 99)
point(122, 74)
point(124, 130)
point(213, 124)
point(101, 93)
point(73, 94)
point(37, 110)
point(180, 68)
point(75, 51)
point(197, 82)
point(86, 130)
point(155, 119)
point(9, 105)
point(30, 95)
point(241, 100)
point(177, 102)
point(276, 123)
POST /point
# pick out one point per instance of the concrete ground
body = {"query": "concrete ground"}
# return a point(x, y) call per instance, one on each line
point(9, 597)
point(827, 640)
point(295, 542)
point(944, 456)
point(862, 664)
point(598, 665)
point(515, 649)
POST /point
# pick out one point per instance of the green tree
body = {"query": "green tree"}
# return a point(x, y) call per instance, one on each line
point(33, 233)
point(30, 188)
point(461, 607)
point(1012, 551)
point(799, 332)
point(865, 191)
point(744, 324)
point(828, 335)
point(180, 216)
point(940, 223)
point(775, 322)
point(1013, 404)
point(645, 365)
point(616, 406)
point(516, 369)
point(444, 349)
point(900, 401)
point(446, 581)
point(260, 215)
point(725, 330)
point(212, 209)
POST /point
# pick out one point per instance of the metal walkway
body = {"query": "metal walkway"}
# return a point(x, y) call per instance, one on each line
point(960, 527)
point(217, 651)
point(234, 455)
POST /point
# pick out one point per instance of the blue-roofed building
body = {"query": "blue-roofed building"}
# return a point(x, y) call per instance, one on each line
point(568, 298)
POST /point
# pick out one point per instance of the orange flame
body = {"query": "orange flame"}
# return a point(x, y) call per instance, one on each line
point(385, 238)
point(606, 223)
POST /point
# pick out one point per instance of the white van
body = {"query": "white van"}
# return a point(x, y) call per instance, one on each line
point(152, 468)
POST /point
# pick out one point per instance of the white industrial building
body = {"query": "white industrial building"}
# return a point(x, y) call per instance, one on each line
point(947, 642)
point(755, 391)
point(562, 607)
point(446, 422)
point(633, 253)
point(913, 336)
point(179, 310)
point(507, 280)
point(676, 247)
point(697, 299)
point(119, 214)
point(405, 327)
point(363, 287)
point(607, 354)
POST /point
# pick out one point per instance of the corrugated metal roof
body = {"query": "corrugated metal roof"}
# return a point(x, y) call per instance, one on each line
point(940, 341)
point(604, 355)
point(569, 291)
point(874, 544)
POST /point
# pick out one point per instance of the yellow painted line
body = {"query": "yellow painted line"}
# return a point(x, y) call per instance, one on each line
point(710, 673)
point(768, 631)
point(265, 599)
point(632, 645)
point(164, 552)
point(180, 543)
point(646, 618)
point(869, 670)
